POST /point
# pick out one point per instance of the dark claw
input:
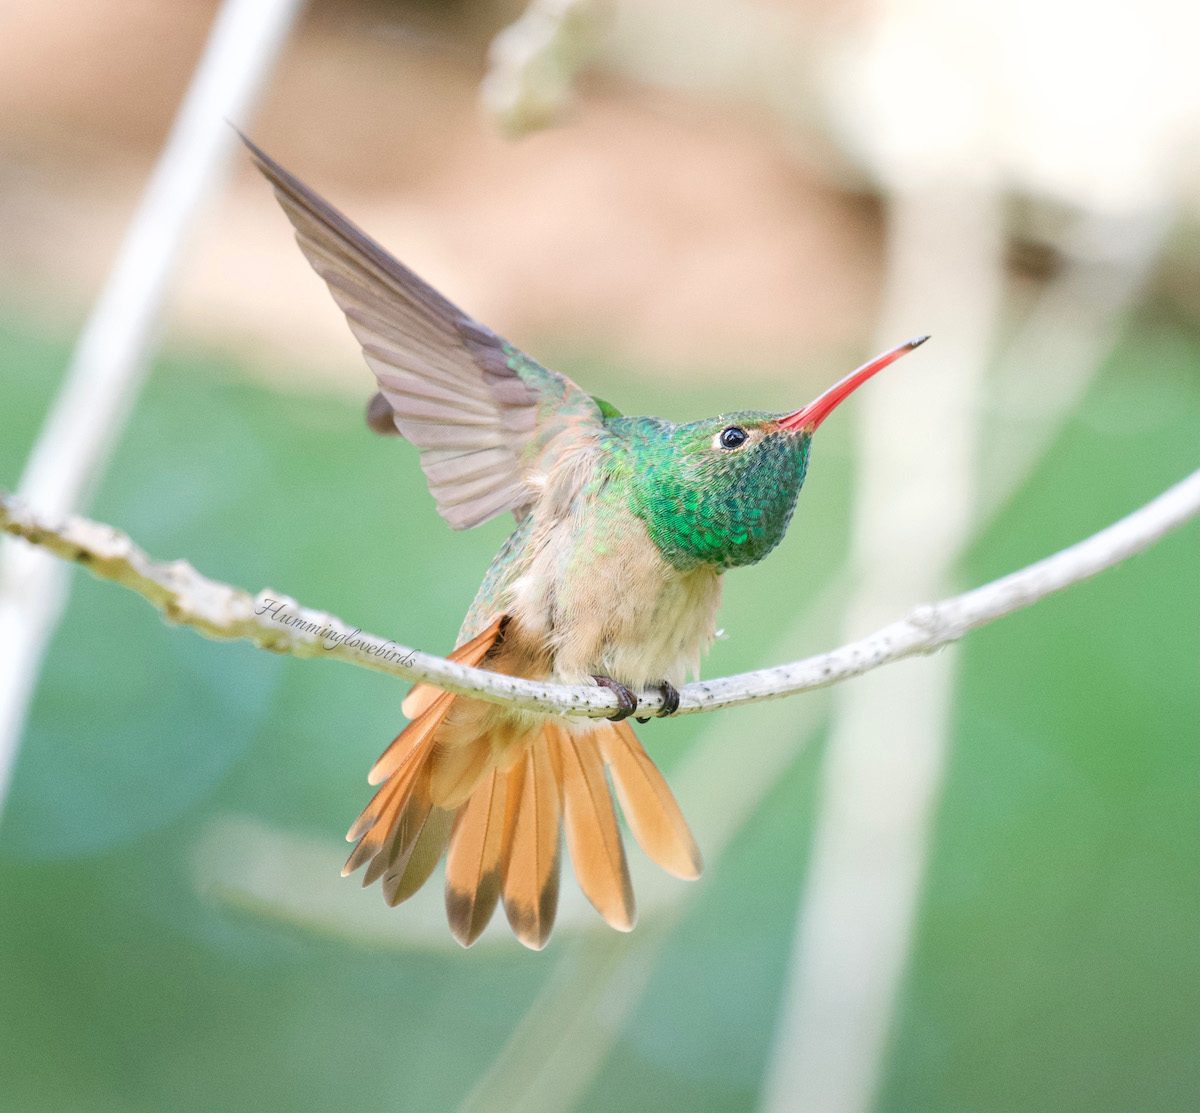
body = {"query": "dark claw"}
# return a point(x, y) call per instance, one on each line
point(670, 695)
point(626, 700)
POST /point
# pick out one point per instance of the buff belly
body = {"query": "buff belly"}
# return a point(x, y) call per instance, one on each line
point(615, 607)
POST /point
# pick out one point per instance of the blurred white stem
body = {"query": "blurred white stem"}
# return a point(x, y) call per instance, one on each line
point(914, 513)
point(1072, 327)
point(273, 621)
point(110, 358)
point(1040, 378)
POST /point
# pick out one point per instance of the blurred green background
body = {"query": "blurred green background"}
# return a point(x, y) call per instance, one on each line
point(713, 228)
point(1055, 962)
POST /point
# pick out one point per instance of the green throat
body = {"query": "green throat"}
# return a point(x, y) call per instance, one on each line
point(702, 504)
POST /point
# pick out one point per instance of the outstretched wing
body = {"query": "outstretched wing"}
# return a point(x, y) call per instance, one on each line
point(479, 410)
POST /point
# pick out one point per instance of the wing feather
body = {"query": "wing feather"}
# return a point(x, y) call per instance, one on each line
point(479, 410)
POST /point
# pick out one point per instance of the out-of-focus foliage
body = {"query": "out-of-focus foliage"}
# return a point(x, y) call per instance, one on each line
point(1056, 963)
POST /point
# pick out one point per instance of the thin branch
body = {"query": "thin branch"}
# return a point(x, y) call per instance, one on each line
point(274, 621)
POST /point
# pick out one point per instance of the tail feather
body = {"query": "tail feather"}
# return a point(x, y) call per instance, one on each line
point(456, 771)
point(401, 883)
point(383, 816)
point(469, 653)
point(593, 837)
point(427, 705)
point(384, 796)
point(531, 850)
point(654, 816)
point(393, 848)
point(493, 792)
point(473, 875)
point(397, 846)
point(420, 729)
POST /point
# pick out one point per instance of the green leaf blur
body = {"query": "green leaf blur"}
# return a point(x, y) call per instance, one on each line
point(1056, 964)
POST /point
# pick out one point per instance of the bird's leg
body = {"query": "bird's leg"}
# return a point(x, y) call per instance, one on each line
point(670, 696)
point(626, 700)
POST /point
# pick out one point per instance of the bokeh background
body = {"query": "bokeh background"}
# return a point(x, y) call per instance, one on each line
point(965, 883)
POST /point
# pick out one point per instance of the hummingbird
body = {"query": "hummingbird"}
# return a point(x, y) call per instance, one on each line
point(624, 529)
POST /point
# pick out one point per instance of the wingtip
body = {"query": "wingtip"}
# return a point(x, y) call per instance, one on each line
point(253, 147)
point(268, 167)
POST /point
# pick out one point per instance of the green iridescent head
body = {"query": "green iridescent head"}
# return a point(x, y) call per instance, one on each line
point(719, 491)
point(722, 491)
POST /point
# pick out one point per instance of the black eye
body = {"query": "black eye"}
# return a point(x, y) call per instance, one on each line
point(733, 437)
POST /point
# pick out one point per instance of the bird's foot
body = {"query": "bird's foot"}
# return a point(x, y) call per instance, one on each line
point(626, 700)
point(670, 696)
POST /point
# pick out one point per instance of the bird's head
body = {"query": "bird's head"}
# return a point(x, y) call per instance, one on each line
point(721, 491)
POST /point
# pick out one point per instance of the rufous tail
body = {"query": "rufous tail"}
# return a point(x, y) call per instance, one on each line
point(493, 792)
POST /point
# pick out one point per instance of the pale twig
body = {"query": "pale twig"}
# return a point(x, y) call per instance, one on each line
point(273, 621)
point(856, 904)
point(111, 356)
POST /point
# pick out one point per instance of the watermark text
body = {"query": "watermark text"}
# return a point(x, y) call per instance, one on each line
point(331, 637)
